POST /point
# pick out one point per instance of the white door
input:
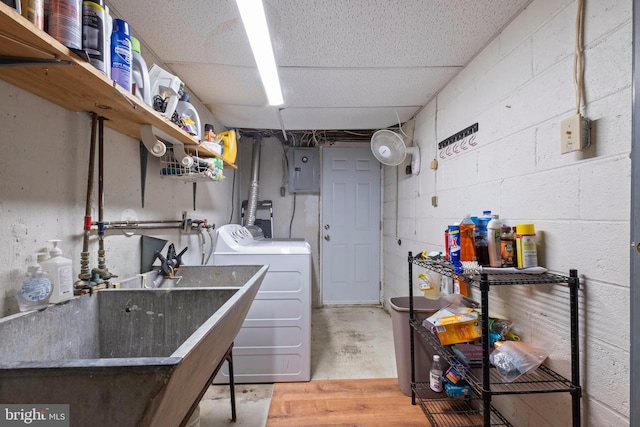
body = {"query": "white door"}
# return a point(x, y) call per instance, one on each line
point(350, 226)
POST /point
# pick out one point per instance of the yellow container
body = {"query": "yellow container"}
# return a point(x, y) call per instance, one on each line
point(229, 145)
point(527, 252)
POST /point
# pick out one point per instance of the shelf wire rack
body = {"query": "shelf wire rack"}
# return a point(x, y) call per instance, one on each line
point(192, 168)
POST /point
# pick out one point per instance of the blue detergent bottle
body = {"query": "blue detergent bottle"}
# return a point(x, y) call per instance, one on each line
point(121, 54)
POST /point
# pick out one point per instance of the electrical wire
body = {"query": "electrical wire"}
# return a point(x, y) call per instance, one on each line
point(293, 214)
point(400, 125)
point(233, 190)
point(578, 59)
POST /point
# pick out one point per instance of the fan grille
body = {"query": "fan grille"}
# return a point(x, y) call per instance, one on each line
point(388, 147)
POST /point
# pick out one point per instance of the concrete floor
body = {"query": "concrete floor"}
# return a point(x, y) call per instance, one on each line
point(346, 342)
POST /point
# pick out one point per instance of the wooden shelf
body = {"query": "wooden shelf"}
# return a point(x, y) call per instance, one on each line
point(75, 84)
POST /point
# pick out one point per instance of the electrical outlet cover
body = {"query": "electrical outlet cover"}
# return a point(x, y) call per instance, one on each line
point(574, 134)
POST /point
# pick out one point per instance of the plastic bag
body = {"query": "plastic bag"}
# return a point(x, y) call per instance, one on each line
point(514, 359)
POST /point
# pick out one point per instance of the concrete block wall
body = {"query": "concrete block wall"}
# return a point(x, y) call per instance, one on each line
point(518, 89)
point(43, 185)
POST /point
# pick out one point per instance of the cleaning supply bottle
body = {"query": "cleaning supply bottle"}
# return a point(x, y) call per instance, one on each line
point(482, 243)
point(60, 273)
point(34, 291)
point(121, 56)
point(140, 74)
point(454, 247)
point(435, 374)
point(494, 230)
point(467, 239)
point(108, 29)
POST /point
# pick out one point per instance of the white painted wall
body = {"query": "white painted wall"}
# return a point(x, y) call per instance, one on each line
point(519, 89)
point(293, 216)
point(43, 183)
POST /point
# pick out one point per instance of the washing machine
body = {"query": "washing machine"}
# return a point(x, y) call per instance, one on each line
point(274, 343)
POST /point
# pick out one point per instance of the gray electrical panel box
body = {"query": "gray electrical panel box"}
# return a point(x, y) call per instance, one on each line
point(304, 170)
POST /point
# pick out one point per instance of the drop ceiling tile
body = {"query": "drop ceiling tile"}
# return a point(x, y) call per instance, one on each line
point(222, 84)
point(362, 87)
point(198, 31)
point(372, 33)
point(240, 116)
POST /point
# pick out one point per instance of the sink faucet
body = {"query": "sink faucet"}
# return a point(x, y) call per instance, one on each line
point(172, 262)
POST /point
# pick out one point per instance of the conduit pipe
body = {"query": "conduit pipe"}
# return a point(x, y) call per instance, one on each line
point(252, 201)
point(102, 262)
point(85, 274)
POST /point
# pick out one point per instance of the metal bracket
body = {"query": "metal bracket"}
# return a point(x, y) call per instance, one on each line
point(18, 61)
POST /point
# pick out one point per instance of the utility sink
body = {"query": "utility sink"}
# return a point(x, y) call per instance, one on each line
point(127, 357)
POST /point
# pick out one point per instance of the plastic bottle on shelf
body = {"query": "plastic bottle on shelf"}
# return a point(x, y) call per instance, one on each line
point(507, 247)
point(494, 230)
point(121, 56)
point(467, 239)
point(454, 247)
point(60, 273)
point(108, 29)
point(34, 291)
point(435, 374)
point(482, 243)
point(486, 215)
point(527, 252)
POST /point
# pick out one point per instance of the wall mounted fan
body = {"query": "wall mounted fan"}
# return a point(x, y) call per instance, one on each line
point(390, 149)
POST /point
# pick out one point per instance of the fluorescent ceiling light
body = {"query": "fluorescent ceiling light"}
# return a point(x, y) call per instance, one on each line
point(255, 24)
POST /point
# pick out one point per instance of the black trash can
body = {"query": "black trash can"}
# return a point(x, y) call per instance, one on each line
point(422, 307)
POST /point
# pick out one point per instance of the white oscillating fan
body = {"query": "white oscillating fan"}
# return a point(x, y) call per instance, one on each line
point(391, 150)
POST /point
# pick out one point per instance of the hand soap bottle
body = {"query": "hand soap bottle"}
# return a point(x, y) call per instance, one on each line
point(59, 270)
point(34, 292)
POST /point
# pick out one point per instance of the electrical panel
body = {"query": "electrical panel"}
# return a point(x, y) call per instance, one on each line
point(304, 170)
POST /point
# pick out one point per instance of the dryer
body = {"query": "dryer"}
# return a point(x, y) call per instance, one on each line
point(274, 343)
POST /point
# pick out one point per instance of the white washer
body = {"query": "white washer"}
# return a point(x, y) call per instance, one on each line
point(274, 343)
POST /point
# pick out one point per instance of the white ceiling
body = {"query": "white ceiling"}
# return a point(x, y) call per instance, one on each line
point(343, 64)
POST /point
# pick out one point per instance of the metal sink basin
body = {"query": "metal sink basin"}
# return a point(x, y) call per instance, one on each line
point(207, 276)
point(127, 357)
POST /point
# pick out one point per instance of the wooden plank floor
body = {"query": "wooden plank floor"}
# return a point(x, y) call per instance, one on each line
point(360, 402)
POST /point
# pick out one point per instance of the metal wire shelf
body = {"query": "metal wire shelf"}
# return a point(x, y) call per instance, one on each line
point(484, 379)
point(192, 168)
point(450, 412)
point(541, 380)
point(474, 276)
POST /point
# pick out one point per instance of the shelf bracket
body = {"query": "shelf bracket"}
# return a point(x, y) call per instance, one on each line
point(17, 61)
point(154, 145)
point(151, 139)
